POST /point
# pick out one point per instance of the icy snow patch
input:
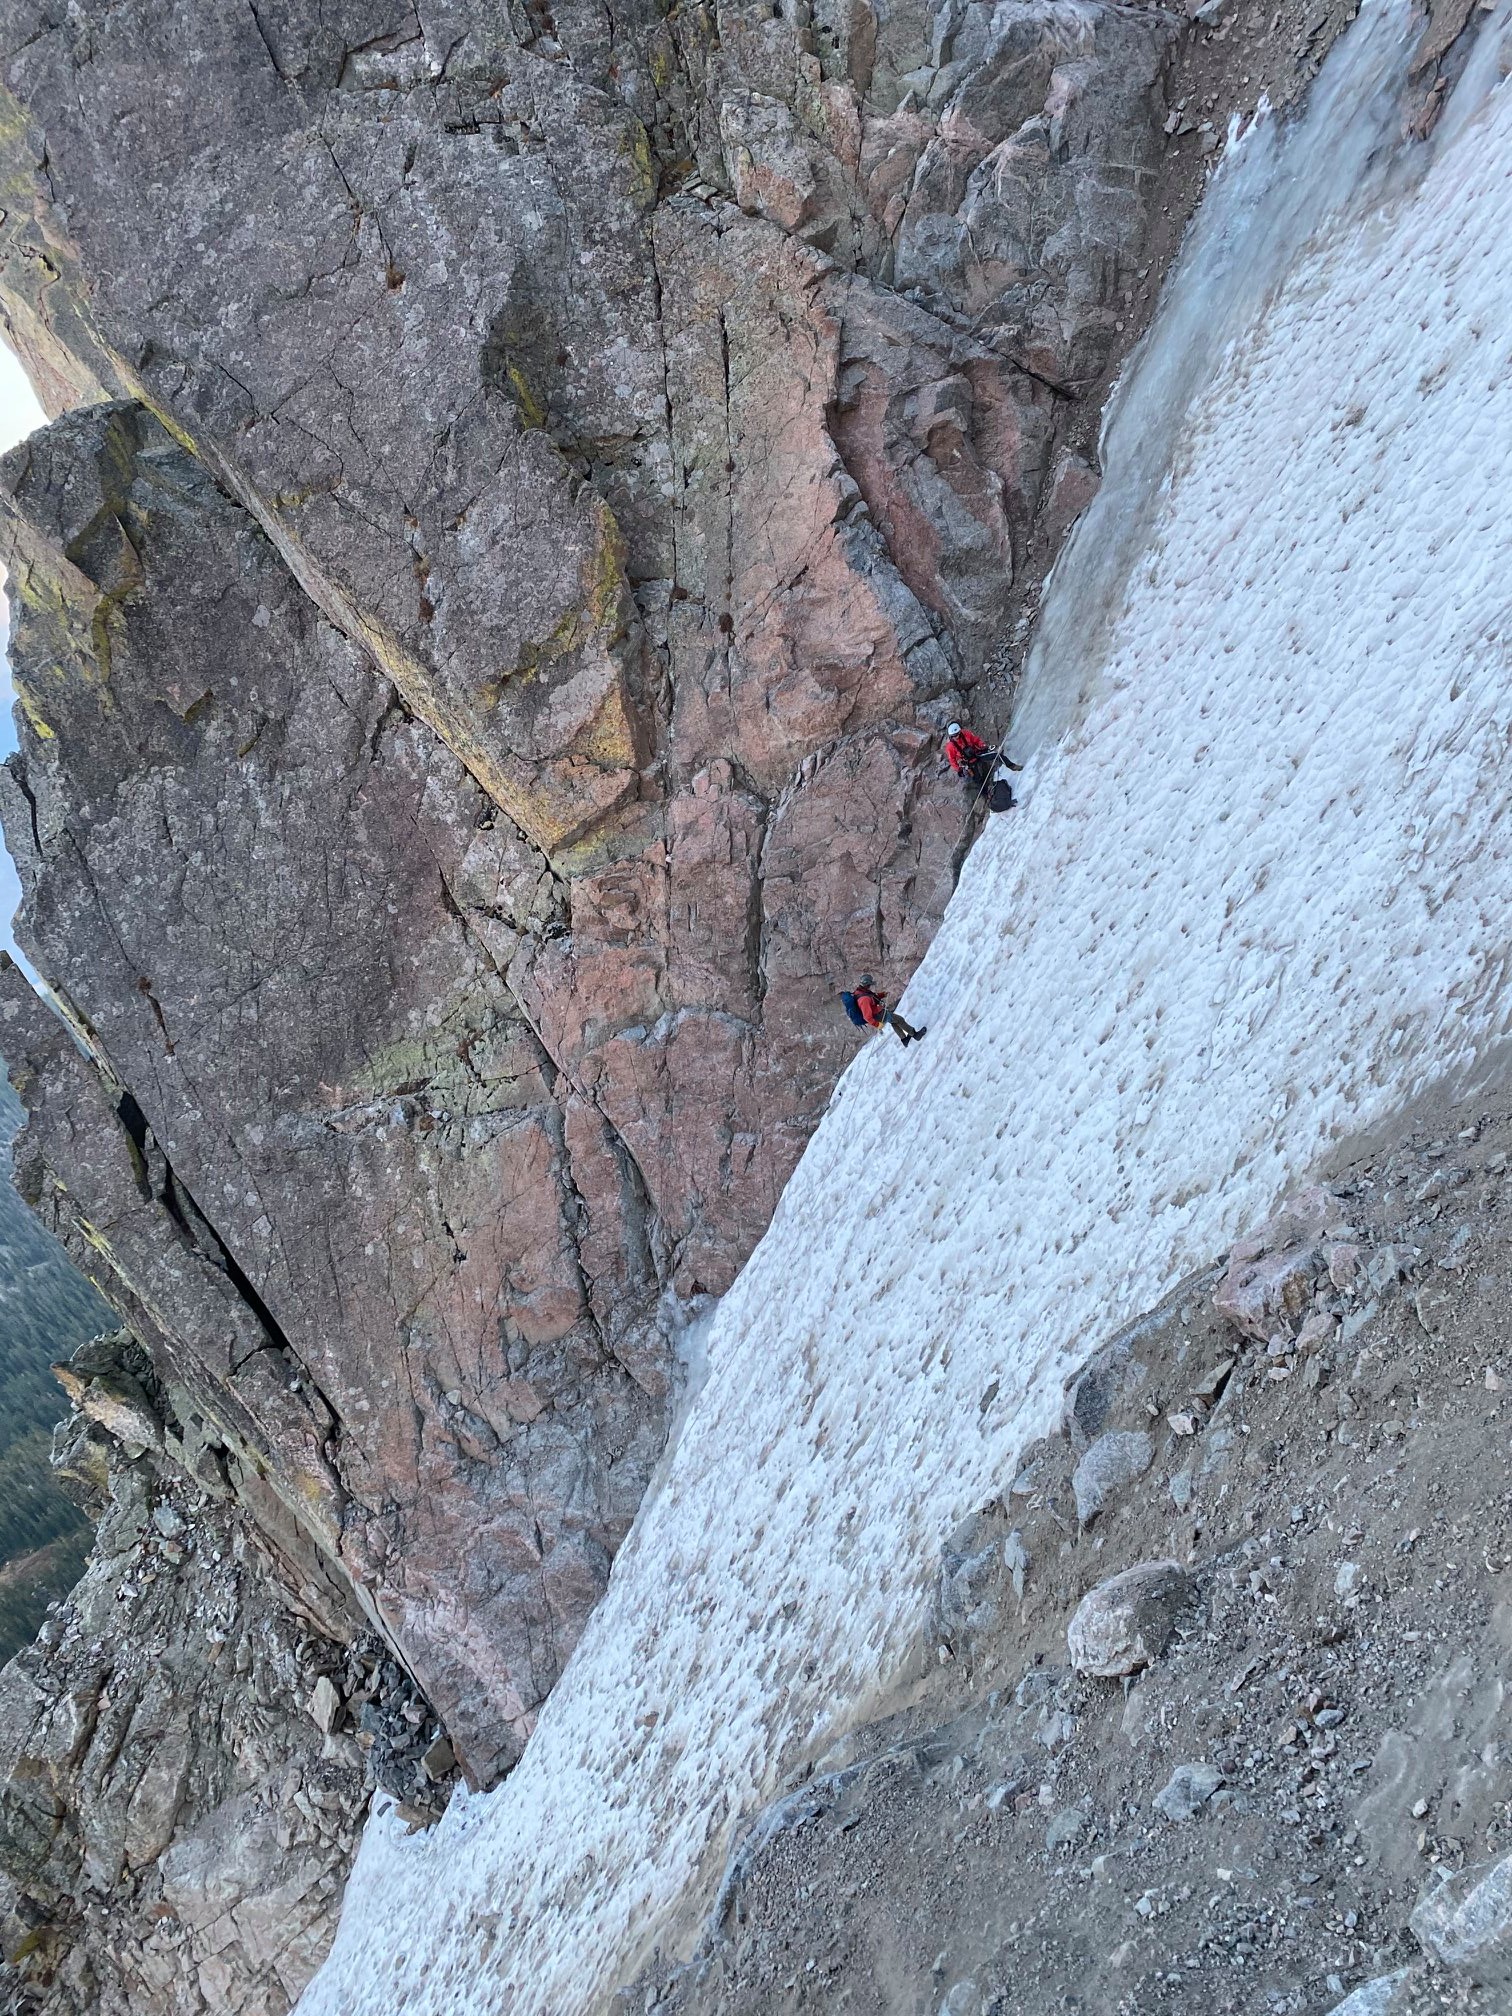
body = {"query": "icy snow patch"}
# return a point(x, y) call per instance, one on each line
point(1258, 895)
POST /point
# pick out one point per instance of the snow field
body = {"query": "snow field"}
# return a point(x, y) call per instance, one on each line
point(1256, 898)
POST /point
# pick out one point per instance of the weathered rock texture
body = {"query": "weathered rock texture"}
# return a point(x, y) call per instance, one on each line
point(172, 1837)
point(1302, 1799)
point(544, 477)
point(341, 1203)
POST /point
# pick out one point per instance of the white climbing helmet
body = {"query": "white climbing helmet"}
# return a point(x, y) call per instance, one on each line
point(954, 728)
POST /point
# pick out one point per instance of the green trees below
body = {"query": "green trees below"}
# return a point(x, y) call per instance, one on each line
point(47, 1309)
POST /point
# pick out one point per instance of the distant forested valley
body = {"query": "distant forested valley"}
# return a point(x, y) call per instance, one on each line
point(46, 1310)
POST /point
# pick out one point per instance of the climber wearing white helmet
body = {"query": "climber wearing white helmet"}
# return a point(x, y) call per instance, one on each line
point(968, 756)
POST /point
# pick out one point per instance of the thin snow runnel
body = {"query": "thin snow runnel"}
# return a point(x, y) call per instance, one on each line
point(1254, 901)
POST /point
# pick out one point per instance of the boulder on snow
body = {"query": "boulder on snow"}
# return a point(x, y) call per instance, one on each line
point(1466, 1920)
point(968, 1595)
point(1270, 1273)
point(1113, 1375)
point(1123, 1624)
point(1066, 1829)
point(1111, 1462)
point(1188, 1790)
point(324, 1704)
point(1373, 1998)
point(439, 1761)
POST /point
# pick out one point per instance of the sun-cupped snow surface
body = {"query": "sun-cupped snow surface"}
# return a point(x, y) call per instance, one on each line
point(1258, 894)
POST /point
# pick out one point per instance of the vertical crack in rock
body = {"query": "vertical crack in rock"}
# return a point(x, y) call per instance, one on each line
point(267, 42)
point(388, 1092)
point(548, 477)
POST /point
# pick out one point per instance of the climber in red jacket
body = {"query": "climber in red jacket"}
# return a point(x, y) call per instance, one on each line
point(968, 755)
point(976, 766)
point(871, 1006)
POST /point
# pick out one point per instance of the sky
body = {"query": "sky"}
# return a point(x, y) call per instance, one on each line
point(20, 415)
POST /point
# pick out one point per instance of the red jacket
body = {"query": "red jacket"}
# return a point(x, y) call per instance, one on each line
point(962, 750)
point(873, 1006)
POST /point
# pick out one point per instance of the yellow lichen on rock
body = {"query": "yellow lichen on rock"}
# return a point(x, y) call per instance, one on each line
point(643, 167)
point(530, 408)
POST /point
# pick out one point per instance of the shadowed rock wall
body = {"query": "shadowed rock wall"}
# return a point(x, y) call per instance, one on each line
point(544, 479)
point(156, 1752)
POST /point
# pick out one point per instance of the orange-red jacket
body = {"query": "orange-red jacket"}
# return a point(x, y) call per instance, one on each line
point(873, 1006)
point(962, 750)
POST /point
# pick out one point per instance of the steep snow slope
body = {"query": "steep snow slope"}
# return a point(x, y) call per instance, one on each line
point(1257, 896)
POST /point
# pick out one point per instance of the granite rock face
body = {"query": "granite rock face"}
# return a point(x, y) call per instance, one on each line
point(533, 484)
point(255, 899)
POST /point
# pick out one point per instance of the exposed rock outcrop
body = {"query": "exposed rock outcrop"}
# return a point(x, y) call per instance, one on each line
point(473, 727)
point(174, 1831)
point(341, 1175)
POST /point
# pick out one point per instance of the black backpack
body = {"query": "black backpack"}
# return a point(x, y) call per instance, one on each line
point(848, 1003)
